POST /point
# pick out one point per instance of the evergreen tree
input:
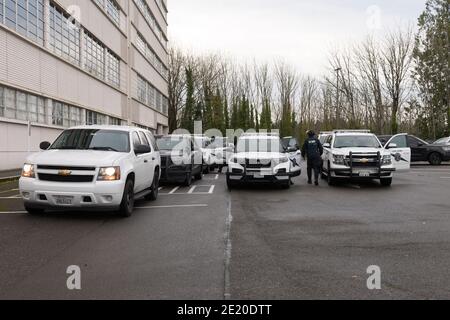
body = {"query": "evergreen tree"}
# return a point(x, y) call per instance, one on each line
point(432, 56)
point(187, 116)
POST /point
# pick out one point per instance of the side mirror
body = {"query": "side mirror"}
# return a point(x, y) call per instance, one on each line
point(327, 145)
point(392, 146)
point(142, 149)
point(45, 145)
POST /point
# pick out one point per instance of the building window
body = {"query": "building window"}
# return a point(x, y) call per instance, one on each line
point(115, 121)
point(113, 68)
point(95, 56)
point(141, 89)
point(111, 8)
point(57, 113)
point(2, 100)
point(148, 15)
point(95, 118)
point(24, 16)
point(64, 35)
point(146, 50)
point(149, 95)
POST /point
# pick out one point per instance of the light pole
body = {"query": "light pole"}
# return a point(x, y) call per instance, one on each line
point(338, 113)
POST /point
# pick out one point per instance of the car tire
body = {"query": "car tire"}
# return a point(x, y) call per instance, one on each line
point(127, 204)
point(34, 211)
point(199, 175)
point(435, 159)
point(331, 181)
point(230, 184)
point(205, 169)
point(188, 180)
point(386, 182)
point(286, 185)
point(153, 195)
point(322, 174)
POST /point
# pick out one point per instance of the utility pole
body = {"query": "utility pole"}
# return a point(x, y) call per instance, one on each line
point(338, 111)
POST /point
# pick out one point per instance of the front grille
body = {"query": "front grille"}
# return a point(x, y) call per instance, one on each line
point(45, 167)
point(257, 164)
point(59, 178)
point(363, 161)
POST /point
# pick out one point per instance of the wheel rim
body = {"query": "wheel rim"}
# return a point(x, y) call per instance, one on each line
point(434, 158)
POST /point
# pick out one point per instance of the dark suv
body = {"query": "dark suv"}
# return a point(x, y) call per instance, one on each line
point(434, 153)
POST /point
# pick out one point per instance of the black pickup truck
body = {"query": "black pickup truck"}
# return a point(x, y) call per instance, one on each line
point(434, 153)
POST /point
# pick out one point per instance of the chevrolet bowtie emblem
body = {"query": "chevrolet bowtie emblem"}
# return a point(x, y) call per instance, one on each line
point(64, 173)
point(364, 160)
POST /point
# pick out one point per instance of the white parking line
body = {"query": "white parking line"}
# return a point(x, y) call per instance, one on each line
point(12, 212)
point(175, 206)
point(174, 190)
point(8, 191)
point(211, 190)
point(11, 197)
point(445, 177)
point(192, 190)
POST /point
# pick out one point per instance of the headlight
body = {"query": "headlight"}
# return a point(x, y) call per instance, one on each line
point(109, 174)
point(28, 171)
point(233, 160)
point(446, 149)
point(387, 160)
point(283, 160)
point(338, 159)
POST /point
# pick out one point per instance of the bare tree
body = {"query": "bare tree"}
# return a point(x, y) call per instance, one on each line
point(177, 86)
point(396, 62)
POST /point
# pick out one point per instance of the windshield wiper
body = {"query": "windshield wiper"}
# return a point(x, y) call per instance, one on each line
point(103, 149)
point(64, 148)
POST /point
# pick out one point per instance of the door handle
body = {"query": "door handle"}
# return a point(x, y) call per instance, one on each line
point(145, 161)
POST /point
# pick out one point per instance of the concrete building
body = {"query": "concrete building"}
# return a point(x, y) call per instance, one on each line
point(70, 62)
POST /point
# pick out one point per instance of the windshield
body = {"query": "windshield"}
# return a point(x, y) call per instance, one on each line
point(356, 142)
point(170, 143)
point(93, 139)
point(201, 142)
point(443, 141)
point(218, 143)
point(259, 145)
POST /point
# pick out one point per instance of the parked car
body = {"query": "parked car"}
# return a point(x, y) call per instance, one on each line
point(203, 142)
point(261, 158)
point(181, 159)
point(358, 154)
point(421, 150)
point(220, 151)
point(324, 135)
point(92, 167)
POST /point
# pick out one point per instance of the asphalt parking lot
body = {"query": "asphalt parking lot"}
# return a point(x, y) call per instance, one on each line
point(262, 242)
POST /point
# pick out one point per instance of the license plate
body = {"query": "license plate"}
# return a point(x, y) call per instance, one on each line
point(258, 176)
point(365, 173)
point(63, 200)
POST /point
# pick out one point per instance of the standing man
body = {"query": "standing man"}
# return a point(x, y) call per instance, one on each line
point(312, 150)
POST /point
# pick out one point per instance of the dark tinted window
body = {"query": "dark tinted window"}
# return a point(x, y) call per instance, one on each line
point(136, 140)
point(414, 142)
point(400, 141)
point(144, 138)
point(91, 139)
point(152, 140)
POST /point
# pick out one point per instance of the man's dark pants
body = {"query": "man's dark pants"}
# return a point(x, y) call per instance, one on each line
point(313, 164)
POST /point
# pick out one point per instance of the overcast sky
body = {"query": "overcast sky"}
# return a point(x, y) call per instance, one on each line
point(299, 31)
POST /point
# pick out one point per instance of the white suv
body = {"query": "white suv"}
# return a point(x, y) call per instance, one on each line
point(92, 167)
point(262, 158)
point(358, 154)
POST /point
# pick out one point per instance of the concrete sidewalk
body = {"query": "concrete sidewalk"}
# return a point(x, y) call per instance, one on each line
point(8, 175)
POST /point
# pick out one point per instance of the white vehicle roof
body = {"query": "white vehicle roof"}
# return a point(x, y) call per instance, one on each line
point(107, 127)
point(260, 136)
point(354, 134)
